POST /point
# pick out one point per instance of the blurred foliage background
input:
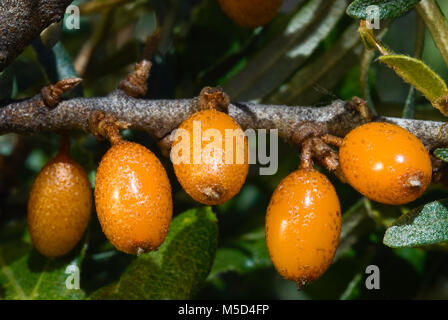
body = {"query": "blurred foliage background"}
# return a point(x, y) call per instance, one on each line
point(309, 55)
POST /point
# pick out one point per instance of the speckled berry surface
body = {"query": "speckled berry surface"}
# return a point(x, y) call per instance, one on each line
point(133, 198)
point(59, 207)
point(303, 225)
point(251, 13)
point(214, 179)
point(386, 163)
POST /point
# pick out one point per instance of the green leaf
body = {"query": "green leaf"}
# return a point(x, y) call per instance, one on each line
point(442, 154)
point(332, 64)
point(27, 275)
point(56, 61)
point(388, 8)
point(418, 74)
point(353, 290)
point(275, 63)
point(415, 257)
point(180, 266)
point(6, 83)
point(426, 226)
point(355, 224)
point(245, 254)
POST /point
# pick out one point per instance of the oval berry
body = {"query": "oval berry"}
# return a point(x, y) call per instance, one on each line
point(59, 206)
point(133, 198)
point(251, 13)
point(303, 225)
point(210, 169)
point(385, 163)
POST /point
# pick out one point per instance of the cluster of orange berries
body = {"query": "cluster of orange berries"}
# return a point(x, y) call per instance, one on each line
point(134, 205)
point(382, 161)
point(132, 191)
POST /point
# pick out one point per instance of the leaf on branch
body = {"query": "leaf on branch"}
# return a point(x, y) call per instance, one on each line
point(245, 254)
point(6, 83)
point(355, 224)
point(388, 9)
point(178, 268)
point(27, 275)
point(353, 290)
point(286, 53)
point(422, 77)
point(426, 226)
point(442, 154)
point(301, 83)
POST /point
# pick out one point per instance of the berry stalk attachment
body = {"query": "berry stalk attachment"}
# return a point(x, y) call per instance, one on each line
point(132, 193)
point(59, 205)
point(210, 151)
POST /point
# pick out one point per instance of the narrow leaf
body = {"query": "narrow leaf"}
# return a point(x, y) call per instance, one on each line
point(302, 81)
point(418, 74)
point(178, 269)
point(245, 254)
point(355, 224)
point(353, 290)
point(287, 52)
point(422, 227)
point(442, 154)
point(388, 9)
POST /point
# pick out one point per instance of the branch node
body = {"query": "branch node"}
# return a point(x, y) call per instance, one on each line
point(51, 95)
point(332, 140)
point(362, 107)
point(165, 144)
point(307, 130)
point(213, 99)
point(105, 126)
point(152, 42)
point(135, 84)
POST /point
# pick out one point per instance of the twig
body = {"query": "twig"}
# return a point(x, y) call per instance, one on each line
point(22, 21)
point(436, 23)
point(160, 117)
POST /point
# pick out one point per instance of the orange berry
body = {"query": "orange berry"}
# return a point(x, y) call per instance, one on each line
point(210, 172)
point(303, 224)
point(133, 198)
point(386, 163)
point(251, 13)
point(59, 206)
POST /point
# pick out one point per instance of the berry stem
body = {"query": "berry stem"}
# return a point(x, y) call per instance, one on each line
point(332, 140)
point(306, 158)
point(214, 99)
point(106, 126)
point(64, 145)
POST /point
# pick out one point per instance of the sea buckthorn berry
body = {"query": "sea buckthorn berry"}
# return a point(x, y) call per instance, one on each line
point(210, 156)
point(133, 198)
point(303, 225)
point(385, 163)
point(59, 206)
point(251, 13)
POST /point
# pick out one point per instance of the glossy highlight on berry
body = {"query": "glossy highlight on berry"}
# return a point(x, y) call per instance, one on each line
point(59, 206)
point(303, 225)
point(213, 179)
point(133, 198)
point(385, 163)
